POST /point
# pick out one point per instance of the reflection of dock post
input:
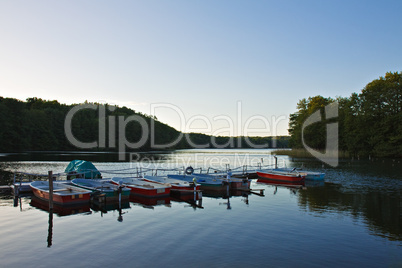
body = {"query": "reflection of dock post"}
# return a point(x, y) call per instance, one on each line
point(50, 177)
point(50, 231)
point(195, 189)
point(16, 198)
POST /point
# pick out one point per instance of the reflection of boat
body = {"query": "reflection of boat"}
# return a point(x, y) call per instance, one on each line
point(139, 186)
point(183, 187)
point(100, 206)
point(63, 194)
point(205, 181)
point(97, 186)
point(281, 177)
point(150, 201)
point(314, 183)
point(225, 193)
point(194, 201)
point(282, 183)
point(60, 210)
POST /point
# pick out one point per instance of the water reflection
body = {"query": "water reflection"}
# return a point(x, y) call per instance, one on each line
point(105, 207)
point(380, 210)
point(227, 193)
point(193, 200)
point(293, 187)
point(149, 202)
point(50, 230)
point(369, 191)
point(59, 210)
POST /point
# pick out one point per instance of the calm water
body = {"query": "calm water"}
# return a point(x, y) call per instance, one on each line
point(354, 218)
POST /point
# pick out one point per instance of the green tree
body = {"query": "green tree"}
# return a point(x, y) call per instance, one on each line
point(370, 123)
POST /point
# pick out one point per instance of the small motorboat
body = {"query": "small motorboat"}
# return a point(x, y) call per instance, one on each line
point(63, 194)
point(100, 186)
point(142, 187)
point(310, 175)
point(180, 186)
point(281, 176)
point(205, 181)
point(242, 183)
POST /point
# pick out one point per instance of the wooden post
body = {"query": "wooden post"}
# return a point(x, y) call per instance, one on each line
point(50, 177)
point(16, 188)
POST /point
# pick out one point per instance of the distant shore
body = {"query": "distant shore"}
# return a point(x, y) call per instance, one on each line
point(303, 153)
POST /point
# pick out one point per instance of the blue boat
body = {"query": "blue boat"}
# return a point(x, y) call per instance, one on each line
point(110, 190)
point(205, 181)
point(233, 182)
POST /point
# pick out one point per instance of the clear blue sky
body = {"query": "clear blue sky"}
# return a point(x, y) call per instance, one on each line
point(211, 60)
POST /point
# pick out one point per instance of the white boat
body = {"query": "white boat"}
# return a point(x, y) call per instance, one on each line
point(142, 187)
point(177, 185)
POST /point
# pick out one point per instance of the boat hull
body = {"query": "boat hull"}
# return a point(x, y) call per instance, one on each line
point(236, 183)
point(149, 192)
point(315, 176)
point(141, 187)
point(277, 182)
point(114, 196)
point(177, 186)
point(98, 187)
point(240, 183)
point(281, 177)
point(310, 175)
point(205, 182)
point(63, 197)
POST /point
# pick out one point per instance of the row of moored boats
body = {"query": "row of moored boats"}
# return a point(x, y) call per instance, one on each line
point(79, 188)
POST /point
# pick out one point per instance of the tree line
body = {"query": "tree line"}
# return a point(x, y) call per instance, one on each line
point(369, 122)
point(39, 125)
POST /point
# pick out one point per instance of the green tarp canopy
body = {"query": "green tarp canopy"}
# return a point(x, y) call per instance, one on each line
point(82, 169)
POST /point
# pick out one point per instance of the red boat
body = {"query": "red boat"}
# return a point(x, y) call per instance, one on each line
point(281, 176)
point(145, 188)
point(63, 194)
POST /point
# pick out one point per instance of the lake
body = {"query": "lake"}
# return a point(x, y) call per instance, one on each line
point(352, 219)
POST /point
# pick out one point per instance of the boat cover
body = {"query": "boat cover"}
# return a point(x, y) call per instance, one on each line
point(82, 169)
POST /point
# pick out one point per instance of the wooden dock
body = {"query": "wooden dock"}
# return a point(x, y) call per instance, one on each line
point(5, 189)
